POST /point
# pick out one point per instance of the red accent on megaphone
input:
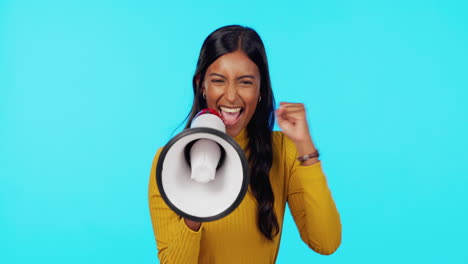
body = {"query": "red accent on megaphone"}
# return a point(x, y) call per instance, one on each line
point(208, 111)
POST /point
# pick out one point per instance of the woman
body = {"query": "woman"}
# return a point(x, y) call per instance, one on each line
point(232, 77)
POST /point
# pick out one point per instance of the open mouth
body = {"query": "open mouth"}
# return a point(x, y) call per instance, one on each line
point(230, 114)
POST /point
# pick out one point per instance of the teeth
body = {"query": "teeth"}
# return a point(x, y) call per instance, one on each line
point(230, 110)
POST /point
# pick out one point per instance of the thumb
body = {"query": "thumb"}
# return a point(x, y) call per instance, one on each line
point(279, 115)
point(282, 121)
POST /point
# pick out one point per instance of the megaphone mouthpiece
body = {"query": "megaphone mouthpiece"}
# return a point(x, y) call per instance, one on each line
point(208, 118)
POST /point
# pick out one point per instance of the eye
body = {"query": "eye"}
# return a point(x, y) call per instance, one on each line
point(246, 82)
point(217, 80)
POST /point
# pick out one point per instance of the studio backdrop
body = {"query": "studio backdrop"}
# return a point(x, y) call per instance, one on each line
point(89, 90)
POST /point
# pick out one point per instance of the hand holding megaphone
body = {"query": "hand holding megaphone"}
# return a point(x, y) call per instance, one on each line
point(202, 173)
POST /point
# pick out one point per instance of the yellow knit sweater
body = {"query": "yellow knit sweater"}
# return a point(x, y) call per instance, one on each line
point(236, 237)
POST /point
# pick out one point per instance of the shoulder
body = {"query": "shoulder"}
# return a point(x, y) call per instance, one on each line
point(277, 138)
point(155, 159)
point(283, 146)
point(280, 140)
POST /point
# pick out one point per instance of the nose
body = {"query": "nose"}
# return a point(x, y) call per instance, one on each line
point(230, 93)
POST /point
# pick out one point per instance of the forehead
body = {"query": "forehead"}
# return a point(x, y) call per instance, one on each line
point(234, 63)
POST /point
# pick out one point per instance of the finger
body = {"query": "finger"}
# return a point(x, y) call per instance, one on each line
point(283, 118)
point(286, 104)
point(292, 106)
point(279, 111)
point(293, 109)
point(293, 118)
point(279, 114)
point(294, 112)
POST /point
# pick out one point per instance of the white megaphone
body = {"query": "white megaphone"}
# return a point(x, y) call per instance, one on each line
point(202, 173)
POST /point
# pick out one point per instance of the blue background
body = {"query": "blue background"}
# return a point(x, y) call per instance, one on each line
point(90, 89)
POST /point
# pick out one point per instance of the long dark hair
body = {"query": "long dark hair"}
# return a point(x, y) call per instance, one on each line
point(226, 40)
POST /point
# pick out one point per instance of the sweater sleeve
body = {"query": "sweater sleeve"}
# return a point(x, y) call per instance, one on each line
point(311, 204)
point(176, 242)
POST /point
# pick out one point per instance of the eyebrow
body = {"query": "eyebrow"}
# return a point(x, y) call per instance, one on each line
point(217, 74)
point(240, 77)
point(246, 76)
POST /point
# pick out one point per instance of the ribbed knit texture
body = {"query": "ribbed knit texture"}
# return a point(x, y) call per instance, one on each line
point(236, 237)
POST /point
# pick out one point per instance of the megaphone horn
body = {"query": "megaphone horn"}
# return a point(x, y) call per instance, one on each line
point(202, 173)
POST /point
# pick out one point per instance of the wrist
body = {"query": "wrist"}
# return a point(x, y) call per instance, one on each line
point(305, 147)
point(307, 153)
point(309, 159)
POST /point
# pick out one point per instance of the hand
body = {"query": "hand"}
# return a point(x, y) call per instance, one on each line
point(195, 226)
point(292, 121)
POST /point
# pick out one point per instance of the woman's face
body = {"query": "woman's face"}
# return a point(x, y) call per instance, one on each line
point(232, 86)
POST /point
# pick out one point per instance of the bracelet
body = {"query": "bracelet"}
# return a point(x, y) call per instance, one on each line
point(309, 156)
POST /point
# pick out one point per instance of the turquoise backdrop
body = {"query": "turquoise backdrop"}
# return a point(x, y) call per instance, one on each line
point(90, 89)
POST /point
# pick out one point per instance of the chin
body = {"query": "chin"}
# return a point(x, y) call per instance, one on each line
point(233, 132)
